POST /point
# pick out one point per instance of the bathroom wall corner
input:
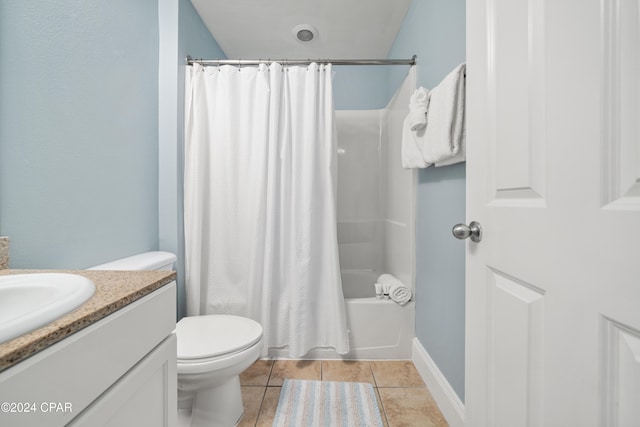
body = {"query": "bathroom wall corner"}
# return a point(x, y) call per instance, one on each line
point(4, 252)
point(182, 33)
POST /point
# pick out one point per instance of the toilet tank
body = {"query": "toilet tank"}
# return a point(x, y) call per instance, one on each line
point(157, 260)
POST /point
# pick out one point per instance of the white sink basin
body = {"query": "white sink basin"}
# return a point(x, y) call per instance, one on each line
point(29, 301)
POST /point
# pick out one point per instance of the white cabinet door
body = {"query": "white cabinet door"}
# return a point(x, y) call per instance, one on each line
point(146, 396)
point(553, 177)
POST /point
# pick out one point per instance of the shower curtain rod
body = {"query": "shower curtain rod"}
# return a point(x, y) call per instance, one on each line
point(240, 62)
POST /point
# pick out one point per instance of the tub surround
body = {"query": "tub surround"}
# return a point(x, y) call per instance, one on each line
point(4, 253)
point(114, 290)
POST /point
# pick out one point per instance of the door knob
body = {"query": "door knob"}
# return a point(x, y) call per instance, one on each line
point(473, 230)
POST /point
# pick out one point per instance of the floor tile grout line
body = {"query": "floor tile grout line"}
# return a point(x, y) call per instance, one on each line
point(375, 381)
point(384, 411)
point(273, 362)
point(403, 386)
point(264, 394)
point(273, 365)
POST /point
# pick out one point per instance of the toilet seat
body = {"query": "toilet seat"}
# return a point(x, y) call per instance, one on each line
point(206, 338)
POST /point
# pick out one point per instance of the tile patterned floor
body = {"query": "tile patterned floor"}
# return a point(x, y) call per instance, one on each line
point(403, 398)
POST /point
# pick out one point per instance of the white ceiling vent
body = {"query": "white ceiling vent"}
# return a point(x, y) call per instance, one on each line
point(305, 32)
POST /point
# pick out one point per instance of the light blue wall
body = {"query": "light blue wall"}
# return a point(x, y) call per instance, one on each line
point(435, 31)
point(182, 33)
point(78, 130)
point(361, 87)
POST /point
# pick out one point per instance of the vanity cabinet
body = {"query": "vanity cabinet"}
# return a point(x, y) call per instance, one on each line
point(119, 371)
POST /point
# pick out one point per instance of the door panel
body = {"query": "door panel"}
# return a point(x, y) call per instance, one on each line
point(516, 86)
point(516, 311)
point(621, 374)
point(621, 52)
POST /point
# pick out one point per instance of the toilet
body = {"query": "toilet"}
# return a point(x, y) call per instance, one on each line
point(212, 352)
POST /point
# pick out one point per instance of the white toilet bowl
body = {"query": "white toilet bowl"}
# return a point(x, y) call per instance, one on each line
point(212, 352)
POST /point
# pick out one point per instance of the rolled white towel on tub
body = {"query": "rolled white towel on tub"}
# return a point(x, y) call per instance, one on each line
point(400, 294)
point(395, 288)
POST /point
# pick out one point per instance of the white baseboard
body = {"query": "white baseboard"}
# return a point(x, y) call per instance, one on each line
point(448, 401)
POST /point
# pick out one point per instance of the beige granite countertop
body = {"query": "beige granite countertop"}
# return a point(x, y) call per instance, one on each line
point(114, 290)
point(4, 252)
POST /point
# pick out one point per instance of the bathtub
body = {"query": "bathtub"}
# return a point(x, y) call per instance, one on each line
point(378, 328)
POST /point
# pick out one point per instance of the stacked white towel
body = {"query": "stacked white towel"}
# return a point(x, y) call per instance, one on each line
point(418, 109)
point(413, 129)
point(442, 140)
point(411, 154)
point(444, 135)
point(396, 290)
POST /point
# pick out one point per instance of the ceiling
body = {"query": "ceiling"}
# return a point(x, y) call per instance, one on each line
point(263, 29)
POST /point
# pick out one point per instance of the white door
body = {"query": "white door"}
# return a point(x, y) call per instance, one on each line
point(553, 173)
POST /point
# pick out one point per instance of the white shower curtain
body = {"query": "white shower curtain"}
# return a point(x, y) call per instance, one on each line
point(259, 202)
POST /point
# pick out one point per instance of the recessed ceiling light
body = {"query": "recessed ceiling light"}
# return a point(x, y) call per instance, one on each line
point(304, 32)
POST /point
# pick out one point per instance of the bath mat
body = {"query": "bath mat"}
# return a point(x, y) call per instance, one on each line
point(327, 404)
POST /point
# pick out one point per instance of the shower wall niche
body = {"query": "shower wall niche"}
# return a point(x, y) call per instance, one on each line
point(375, 197)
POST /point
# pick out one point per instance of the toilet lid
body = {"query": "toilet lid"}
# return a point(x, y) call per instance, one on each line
point(201, 337)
